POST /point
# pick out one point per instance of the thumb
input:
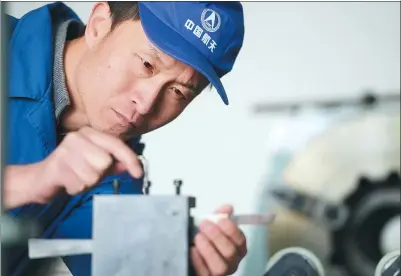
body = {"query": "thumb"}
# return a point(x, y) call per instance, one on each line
point(226, 209)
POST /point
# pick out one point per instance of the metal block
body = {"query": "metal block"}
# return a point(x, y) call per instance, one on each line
point(141, 235)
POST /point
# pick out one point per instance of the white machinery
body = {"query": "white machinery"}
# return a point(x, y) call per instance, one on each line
point(344, 154)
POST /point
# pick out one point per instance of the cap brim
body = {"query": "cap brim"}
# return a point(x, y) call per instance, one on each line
point(171, 43)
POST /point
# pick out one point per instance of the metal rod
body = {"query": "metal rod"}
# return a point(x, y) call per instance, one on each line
point(116, 186)
point(367, 100)
point(44, 248)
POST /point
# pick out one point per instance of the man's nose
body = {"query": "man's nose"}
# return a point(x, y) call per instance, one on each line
point(146, 97)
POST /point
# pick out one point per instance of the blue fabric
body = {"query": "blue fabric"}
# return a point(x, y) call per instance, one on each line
point(32, 134)
point(205, 35)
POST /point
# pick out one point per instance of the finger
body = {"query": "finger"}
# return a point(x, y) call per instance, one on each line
point(215, 263)
point(198, 263)
point(88, 164)
point(237, 237)
point(117, 148)
point(223, 244)
point(72, 183)
point(226, 209)
point(87, 175)
point(118, 168)
point(78, 144)
point(98, 158)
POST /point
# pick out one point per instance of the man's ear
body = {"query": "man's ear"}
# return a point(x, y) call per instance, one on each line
point(99, 24)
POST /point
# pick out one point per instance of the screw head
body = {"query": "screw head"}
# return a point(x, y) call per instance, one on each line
point(147, 184)
point(177, 182)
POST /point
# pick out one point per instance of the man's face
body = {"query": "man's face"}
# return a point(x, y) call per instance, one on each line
point(126, 86)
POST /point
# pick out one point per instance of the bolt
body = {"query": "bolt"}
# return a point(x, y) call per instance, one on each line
point(146, 186)
point(177, 184)
point(116, 186)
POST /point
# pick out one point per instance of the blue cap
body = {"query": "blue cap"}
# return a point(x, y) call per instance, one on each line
point(204, 35)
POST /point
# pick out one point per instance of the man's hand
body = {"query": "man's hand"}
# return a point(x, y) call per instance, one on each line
point(81, 160)
point(219, 248)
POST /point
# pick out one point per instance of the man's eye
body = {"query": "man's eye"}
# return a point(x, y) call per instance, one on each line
point(147, 64)
point(177, 93)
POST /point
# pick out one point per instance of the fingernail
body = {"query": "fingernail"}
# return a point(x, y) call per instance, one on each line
point(138, 173)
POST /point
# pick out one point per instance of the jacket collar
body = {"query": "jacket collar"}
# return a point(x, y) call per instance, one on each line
point(31, 60)
point(31, 67)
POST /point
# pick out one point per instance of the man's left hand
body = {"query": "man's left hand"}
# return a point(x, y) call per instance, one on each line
point(218, 247)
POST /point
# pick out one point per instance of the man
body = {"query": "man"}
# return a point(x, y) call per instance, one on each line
point(81, 96)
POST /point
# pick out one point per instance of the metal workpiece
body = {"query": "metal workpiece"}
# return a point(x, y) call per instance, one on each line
point(132, 235)
point(47, 248)
point(159, 245)
point(139, 235)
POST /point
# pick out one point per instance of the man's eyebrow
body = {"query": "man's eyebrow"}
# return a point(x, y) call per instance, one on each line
point(193, 88)
point(155, 52)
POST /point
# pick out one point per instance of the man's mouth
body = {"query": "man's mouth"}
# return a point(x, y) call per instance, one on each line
point(124, 119)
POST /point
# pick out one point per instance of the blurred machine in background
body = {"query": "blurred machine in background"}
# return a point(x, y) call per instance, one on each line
point(336, 182)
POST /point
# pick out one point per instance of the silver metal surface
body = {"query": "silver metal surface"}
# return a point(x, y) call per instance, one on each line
point(48, 248)
point(253, 219)
point(132, 235)
point(240, 219)
point(141, 235)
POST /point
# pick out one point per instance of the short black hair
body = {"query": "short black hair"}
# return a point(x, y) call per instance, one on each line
point(121, 11)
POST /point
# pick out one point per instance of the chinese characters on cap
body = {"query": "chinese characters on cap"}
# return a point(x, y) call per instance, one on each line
point(211, 22)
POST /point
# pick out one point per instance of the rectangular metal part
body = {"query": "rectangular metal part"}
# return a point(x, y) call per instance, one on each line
point(141, 235)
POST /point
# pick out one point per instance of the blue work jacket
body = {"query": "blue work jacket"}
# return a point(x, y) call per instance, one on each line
point(32, 134)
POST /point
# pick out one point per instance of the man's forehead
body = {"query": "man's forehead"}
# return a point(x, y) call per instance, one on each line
point(164, 58)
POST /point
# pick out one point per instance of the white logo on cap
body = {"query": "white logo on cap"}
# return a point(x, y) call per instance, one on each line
point(210, 20)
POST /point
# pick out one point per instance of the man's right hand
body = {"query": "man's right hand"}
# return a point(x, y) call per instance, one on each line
point(81, 160)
